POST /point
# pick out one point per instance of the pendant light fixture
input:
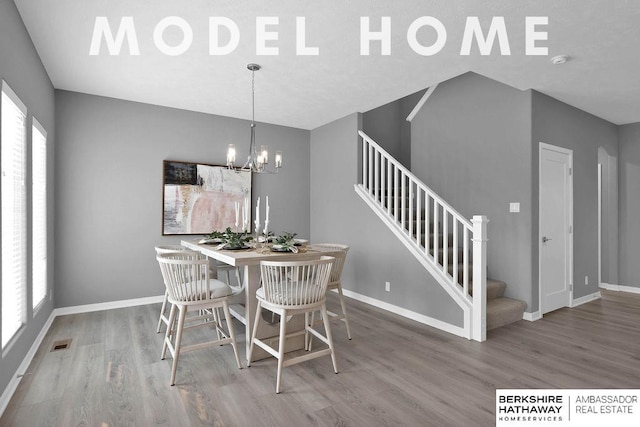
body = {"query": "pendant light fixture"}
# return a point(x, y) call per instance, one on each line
point(258, 157)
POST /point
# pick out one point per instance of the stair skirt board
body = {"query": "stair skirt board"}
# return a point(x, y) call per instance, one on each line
point(420, 318)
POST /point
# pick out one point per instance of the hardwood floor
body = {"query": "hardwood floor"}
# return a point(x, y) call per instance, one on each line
point(393, 372)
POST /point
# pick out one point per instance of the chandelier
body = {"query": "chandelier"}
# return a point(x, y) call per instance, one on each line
point(258, 158)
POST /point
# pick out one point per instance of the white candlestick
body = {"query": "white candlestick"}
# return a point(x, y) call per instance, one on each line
point(237, 206)
point(245, 218)
point(266, 227)
point(258, 215)
point(267, 214)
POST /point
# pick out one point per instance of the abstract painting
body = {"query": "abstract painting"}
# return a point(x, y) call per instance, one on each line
point(200, 198)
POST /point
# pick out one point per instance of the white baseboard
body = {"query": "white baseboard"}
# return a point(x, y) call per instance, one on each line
point(620, 288)
point(536, 315)
point(88, 308)
point(13, 384)
point(585, 299)
point(421, 318)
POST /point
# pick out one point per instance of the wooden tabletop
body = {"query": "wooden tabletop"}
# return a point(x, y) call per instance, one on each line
point(251, 256)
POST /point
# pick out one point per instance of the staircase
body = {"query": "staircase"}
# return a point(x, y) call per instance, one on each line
point(421, 219)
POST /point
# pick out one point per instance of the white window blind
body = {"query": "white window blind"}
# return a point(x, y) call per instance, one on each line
point(14, 212)
point(39, 212)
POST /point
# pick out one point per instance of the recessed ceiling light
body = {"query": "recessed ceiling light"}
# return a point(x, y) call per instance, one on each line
point(559, 59)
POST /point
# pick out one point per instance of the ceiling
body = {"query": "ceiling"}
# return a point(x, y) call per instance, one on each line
point(601, 37)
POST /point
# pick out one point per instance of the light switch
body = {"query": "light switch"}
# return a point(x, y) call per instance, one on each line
point(514, 207)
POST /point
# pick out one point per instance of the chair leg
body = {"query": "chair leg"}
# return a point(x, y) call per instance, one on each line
point(254, 332)
point(232, 334)
point(238, 278)
point(307, 325)
point(170, 330)
point(174, 366)
point(327, 329)
point(162, 310)
point(312, 324)
point(283, 333)
point(344, 311)
point(217, 319)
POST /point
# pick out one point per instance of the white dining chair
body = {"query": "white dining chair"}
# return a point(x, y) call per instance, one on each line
point(339, 253)
point(187, 277)
point(225, 269)
point(165, 249)
point(290, 288)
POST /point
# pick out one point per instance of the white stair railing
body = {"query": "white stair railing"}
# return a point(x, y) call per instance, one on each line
point(452, 248)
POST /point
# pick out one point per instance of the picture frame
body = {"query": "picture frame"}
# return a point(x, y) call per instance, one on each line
point(198, 198)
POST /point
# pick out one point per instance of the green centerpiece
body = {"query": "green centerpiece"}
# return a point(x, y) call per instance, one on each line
point(229, 239)
point(285, 242)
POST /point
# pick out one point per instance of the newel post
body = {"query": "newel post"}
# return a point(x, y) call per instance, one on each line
point(479, 312)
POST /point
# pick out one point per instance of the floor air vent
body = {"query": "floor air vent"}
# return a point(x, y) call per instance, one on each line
point(61, 345)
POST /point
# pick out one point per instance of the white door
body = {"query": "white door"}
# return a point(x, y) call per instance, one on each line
point(556, 213)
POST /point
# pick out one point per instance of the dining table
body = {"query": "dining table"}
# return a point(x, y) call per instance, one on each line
point(245, 310)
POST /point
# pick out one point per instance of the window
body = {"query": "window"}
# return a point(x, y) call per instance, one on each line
point(39, 212)
point(14, 214)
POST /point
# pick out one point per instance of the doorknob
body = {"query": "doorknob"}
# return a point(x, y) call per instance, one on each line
point(545, 239)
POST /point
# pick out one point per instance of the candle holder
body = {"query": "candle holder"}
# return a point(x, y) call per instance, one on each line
point(259, 244)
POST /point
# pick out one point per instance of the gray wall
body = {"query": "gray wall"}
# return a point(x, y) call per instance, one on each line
point(629, 188)
point(471, 144)
point(559, 124)
point(388, 126)
point(109, 188)
point(376, 255)
point(20, 66)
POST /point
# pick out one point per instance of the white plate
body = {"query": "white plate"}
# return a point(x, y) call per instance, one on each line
point(210, 241)
point(279, 248)
point(300, 241)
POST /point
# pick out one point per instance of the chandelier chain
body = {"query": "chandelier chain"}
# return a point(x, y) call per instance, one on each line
point(253, 96)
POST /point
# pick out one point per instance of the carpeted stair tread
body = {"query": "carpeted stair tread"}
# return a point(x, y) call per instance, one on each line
point(502, 311)
point(495, 289)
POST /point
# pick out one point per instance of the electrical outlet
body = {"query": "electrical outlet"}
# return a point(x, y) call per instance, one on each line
point(586, 280)
point(514, 207)
point(387, 286)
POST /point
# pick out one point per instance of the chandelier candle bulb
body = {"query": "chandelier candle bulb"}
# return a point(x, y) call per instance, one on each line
point(264, 152)
point(278, 160)
point(231, 155)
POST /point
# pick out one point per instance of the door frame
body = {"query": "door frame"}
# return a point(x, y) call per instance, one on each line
point(568, 152)
point(599, 224)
